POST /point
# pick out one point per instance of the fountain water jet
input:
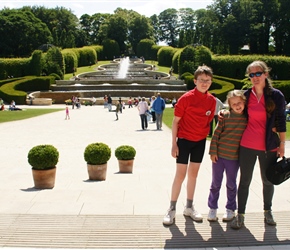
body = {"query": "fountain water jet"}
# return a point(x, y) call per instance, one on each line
point(123, 69)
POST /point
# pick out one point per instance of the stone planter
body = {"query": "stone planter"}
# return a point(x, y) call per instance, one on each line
point(44, 179)
point(97, 172)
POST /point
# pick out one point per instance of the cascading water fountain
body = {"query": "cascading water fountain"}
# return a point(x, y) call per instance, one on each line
point(123, 68)
point(123, 78)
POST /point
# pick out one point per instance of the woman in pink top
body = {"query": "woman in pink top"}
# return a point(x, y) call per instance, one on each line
point(266, 115)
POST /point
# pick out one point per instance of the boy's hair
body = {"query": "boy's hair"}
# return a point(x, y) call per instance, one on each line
point(203, 70)
point(235, 93)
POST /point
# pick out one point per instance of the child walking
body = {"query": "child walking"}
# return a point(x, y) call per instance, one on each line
point(118, 109)
point(192, 116)
point(67, 113)
point(224, 152)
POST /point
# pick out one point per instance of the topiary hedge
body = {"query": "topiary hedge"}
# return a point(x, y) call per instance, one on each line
point(144, 48)
point(17, 89)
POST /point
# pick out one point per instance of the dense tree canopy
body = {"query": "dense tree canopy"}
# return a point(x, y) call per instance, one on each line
point(21, 33)
point(224, 27)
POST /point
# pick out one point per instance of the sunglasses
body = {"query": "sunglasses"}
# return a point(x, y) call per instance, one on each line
point(257, 74)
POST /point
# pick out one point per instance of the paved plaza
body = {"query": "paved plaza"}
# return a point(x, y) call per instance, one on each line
point(126, 210)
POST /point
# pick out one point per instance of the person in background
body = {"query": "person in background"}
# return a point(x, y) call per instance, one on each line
point(158, 107)
point(143, 108)
point(192, 115)
point(1, 104)
point(224, 153)
point(152, 111)
point(130, 102)
point(121, 103)
point(287, 111)
point(118, 109)
point(218, 107)
point(73, 101)
point(13, 107)
point(105, 101)
point(264, 138)
point(174, 101)
point(109, 102)
point(66, 113)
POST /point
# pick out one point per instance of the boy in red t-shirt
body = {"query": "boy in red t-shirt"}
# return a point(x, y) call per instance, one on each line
point(191, 123)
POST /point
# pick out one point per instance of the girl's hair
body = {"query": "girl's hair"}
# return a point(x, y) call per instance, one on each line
point(270, 104)
point(203, 70)
point(235, 93)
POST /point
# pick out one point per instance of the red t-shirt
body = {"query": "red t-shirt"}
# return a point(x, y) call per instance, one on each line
point(255, 132)
point(196, 110)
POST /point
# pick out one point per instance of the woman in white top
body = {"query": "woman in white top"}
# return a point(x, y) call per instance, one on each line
point(143, 108)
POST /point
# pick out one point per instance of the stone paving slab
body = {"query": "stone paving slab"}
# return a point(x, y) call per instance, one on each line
point(132, 232)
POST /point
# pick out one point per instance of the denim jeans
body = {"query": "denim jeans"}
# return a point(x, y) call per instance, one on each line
point(158, 120)
point(144, 123)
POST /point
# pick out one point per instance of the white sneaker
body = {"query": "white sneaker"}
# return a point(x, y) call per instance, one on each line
point(212, 215)
point(169, 217)
point(192, 213)
point(228, 215)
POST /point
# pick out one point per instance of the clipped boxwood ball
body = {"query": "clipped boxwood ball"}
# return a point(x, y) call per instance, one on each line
point(43, 157)
point(97, 153)
point(125, 152)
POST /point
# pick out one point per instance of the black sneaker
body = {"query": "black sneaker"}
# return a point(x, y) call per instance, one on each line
point(268, 217)
point(238, 221)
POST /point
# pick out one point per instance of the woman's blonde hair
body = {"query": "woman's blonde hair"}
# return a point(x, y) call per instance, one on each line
point(234, 93)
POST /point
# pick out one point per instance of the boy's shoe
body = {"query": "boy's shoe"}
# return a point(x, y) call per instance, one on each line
point(212, 215)
point(169, 217)
point(268, 217)
point(228, 215)
point(238, 221)
point(192, 213)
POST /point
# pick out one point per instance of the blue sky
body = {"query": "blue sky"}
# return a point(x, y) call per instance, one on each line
point(143, 7)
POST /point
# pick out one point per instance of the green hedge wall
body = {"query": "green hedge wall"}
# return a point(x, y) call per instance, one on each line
point(144, 48)
point(70, 60)
point(165, 55)
point(155, 49)
point(175, 61)
point(100, 51)
point(193, 56)
point(14, 67)
point(111, 49)
point(17, 89)
point(235, 66)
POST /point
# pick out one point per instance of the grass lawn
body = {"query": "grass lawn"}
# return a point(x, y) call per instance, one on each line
point(168, 117)
point(8, 116)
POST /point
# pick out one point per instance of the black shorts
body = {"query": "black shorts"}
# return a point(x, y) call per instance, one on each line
point(194, 149)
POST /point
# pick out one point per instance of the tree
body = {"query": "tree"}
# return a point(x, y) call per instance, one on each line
point(207, 29)
point(21, 33)
point(169, 26)
point(61, 22)
point(281, 29)
point(144, 48)
point(54, 62)
point(117, 30)
point(187, 19)
point(86, 28)
point(155, 25)
point(139, 28)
